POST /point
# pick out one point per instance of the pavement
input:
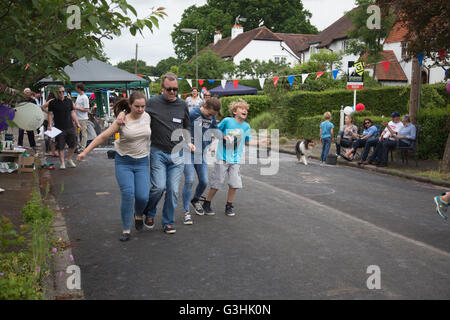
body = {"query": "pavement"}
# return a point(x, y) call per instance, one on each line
point(306, 232)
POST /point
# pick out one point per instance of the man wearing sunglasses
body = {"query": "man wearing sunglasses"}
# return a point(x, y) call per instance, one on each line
point(61, 109)
point(168, 113)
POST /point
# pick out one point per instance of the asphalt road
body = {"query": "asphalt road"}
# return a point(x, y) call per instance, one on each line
point(303, 233)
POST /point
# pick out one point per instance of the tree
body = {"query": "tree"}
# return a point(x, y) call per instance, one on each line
point(142, 67)
point(166, 65)
point(365, 41)
point(427, 26)
point(40, 37)
point(210, 66)
point(324, 60)
point(286, 16)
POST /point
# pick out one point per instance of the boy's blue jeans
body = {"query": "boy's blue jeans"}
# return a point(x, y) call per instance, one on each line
point(165, 174)
point(326, 143)
point(133, 177)
point(202, 174)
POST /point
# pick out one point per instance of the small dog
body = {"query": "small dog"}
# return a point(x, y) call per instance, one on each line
point(303, 150)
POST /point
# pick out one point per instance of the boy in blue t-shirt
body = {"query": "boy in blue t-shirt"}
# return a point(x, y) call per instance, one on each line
point(326, 134)
point(202, 119)
point(236, 132)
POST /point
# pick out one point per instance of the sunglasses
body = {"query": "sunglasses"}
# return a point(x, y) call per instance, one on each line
point(171, 89)
point(61, 91)
point(367, 122)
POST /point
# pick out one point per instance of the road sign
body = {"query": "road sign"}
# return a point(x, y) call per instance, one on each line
point(355, 75)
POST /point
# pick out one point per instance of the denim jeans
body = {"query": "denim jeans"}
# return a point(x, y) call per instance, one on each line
point(371, 142)
point(133, 177)
point(165, 174)
point(326, 143)
point(382, 150)
point(346, 143)
point(202, 174)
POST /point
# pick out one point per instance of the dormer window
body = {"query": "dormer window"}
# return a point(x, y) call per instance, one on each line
point(404, 50)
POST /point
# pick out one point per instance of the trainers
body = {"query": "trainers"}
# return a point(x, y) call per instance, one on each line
point(229, 210)
point(62, 166)
point(187, 218)
point(169, 229)
point(138, 223)
point(441, 208)
point(71, 164)
point(207, 208)
point(149, 223)
point(197, 207)
point(125, 236)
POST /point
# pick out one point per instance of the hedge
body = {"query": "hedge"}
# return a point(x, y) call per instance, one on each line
point(185, 88)
point(258, 104)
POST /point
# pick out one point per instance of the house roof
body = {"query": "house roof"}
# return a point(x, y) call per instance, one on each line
point(337, 30)
point(297, 42)
point(399, 33)
point(395, 72)
point(228, 48)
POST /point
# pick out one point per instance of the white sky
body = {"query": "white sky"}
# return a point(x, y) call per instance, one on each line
point(157, 46)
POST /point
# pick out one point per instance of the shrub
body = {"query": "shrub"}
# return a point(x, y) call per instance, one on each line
point(262, 121)
point(433, 134)
point(258, 104)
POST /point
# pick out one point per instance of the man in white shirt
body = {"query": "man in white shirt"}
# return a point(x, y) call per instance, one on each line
point(386, 141)
point(82, 110)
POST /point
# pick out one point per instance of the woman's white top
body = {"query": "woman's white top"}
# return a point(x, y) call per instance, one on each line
point(134, 138)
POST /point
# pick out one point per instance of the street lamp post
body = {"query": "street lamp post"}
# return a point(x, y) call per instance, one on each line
point(194, 31)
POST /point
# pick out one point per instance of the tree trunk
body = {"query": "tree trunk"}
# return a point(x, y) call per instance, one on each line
point(445, 163)
point(415, 90)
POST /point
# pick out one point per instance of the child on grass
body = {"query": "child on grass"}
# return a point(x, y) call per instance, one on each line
point(235, 132)
point(326, 134)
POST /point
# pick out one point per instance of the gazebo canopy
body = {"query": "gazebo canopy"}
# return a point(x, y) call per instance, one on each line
point(230, 90)
point(98, 72)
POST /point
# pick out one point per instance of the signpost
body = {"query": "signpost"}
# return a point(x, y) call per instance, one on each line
point(355, 77)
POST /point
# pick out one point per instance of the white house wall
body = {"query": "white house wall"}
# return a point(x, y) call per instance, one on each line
point(264, 51)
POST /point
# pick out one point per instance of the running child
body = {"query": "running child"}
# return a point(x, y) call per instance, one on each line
point(235, 132)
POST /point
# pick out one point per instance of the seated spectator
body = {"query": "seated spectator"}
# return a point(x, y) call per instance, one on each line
point(387, 141)
point(347, 136)
point(366, 140)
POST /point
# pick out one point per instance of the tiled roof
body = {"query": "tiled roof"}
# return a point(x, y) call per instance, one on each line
point(395, 72)
point(399, 33)
point(297, 42)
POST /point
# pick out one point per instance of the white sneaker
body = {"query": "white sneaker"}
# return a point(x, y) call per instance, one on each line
point(71, 164)
point(62, 166)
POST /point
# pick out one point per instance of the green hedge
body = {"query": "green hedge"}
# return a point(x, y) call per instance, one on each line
point(185, 88)
point(258, 104)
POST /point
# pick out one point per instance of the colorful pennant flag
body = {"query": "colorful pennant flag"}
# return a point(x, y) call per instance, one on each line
point(420, 57)
point(180, 79)
point(223, 83)
point(304, 76)
point(291, 80)
point(442, 53)
point(275, 81)
point(28, 65)
point(385, 65)
point(261, 82)
point(335, 73)
point(211, 81)
point(190, 82)
point(201, 82)
point(319, 74)
point(235, 82)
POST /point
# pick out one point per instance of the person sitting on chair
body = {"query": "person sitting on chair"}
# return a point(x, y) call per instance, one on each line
point(364, 140)
point(347, 136)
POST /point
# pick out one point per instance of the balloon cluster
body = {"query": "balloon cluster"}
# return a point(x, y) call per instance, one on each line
point(350, 110)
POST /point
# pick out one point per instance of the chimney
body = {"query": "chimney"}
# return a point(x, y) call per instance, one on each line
point(236, 30)
point(217, 36)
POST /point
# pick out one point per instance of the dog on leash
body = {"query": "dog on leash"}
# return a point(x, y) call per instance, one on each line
point(303, 150)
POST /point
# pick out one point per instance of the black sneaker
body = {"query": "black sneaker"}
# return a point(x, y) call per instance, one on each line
point(229, 210)
point(197, 207)
point(149, 223)
point(138, 224)
point(207, 208)
point(125, 236)
point(169, 229)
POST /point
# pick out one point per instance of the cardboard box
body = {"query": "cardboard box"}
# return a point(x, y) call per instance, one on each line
point(28, 164)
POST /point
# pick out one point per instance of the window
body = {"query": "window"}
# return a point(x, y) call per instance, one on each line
point(277, 59)
point(404, 50)
point(345, 45)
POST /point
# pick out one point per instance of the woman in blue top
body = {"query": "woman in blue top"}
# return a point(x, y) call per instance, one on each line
point(369, 134)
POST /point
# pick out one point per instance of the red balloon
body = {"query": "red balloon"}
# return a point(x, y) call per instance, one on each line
point(359, 107)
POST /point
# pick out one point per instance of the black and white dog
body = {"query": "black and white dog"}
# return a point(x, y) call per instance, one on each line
point(303, 150)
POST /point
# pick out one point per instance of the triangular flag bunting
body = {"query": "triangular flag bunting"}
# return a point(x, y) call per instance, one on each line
point(385, 65)
point(304, 76)
point(28, 65)
point(190, 82)
point(201, 82)
point(235, 82)
point(319, 74)
point(261, 82)
point(291, 80)
point(223, 83)
point(335, 73)
point(442, 53)
point(275, 80)
point(421, 56)
point(211, 81)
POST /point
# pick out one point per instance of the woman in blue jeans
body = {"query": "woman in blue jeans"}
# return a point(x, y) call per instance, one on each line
point(131, 161)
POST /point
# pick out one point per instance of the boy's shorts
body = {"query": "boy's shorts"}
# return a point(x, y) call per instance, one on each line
point(223, 169)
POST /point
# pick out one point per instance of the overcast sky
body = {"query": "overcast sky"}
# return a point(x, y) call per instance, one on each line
point(155, 47)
